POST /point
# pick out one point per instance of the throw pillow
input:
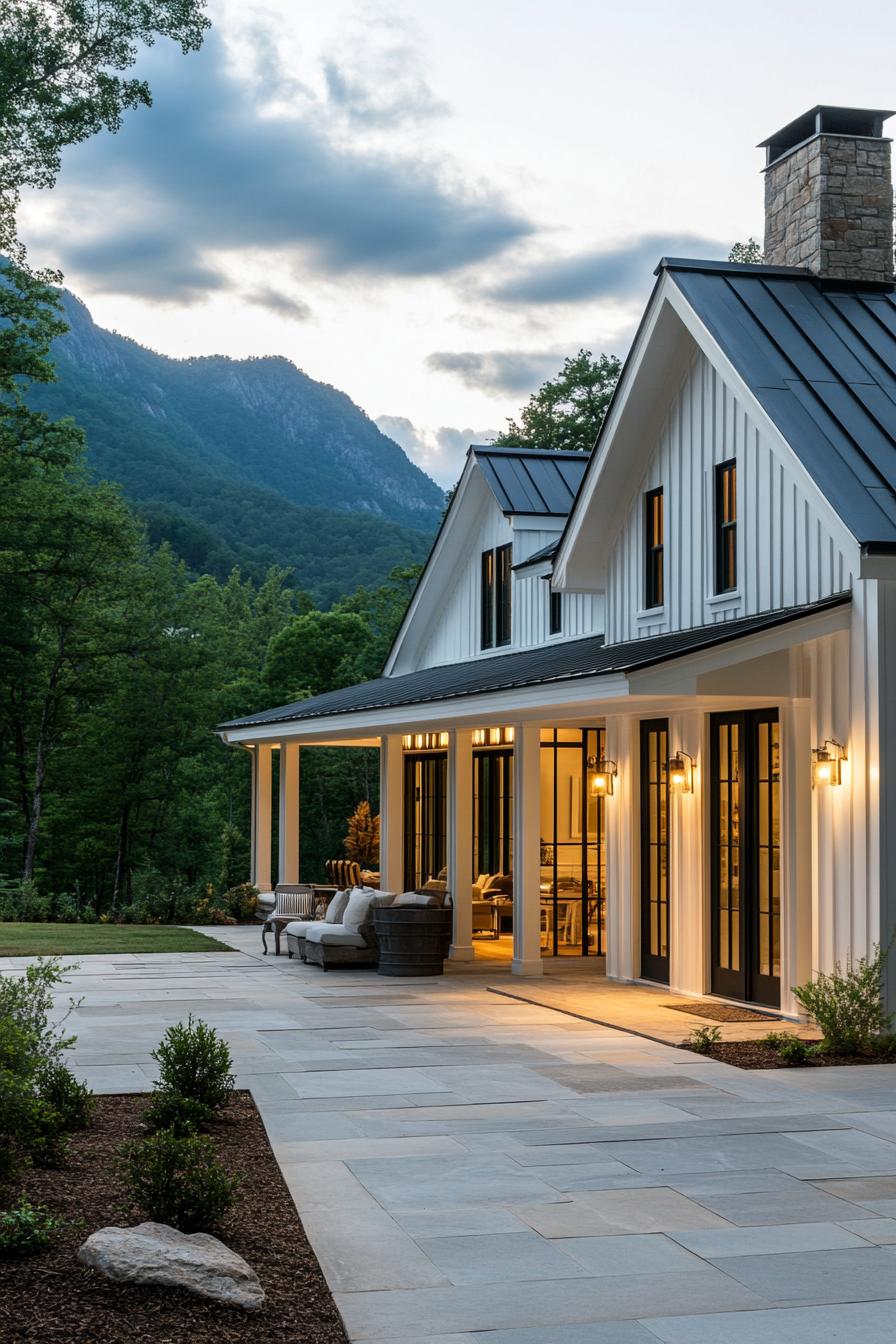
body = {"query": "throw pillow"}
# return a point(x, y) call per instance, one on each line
point(358, 909)
point(336, 908)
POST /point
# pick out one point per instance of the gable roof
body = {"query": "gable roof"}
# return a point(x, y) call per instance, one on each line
point(820, 358)
point(531, 481)
point(571, 661)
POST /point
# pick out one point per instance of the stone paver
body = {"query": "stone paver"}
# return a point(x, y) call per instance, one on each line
point(476, 1169)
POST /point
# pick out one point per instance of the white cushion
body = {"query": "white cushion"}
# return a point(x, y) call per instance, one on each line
point(382, 899)
point(336, 908)
point(357, 912)
point(429, 899)
point(299, 927)
point(334, 935)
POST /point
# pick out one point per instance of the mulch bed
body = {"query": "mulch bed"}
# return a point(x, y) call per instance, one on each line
point(756, 1055)
point(52, 1298)
point(721, 1012)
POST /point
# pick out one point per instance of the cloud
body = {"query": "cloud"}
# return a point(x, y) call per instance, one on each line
point(440, 452)
point(210, 167)
point(620, 273)
point(502, 371)
point(378, 80)
point(281, 304)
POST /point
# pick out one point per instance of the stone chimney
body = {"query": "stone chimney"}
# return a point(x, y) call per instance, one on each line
point(829, 195)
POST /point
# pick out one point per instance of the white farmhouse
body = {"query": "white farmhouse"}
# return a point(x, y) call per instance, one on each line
point(655, 689)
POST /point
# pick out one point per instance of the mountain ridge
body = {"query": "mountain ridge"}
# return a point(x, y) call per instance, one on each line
point(245, 461)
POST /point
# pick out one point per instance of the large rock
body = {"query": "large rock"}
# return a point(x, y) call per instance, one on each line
point(156, 1253)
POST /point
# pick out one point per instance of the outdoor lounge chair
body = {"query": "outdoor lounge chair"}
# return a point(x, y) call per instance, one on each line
point(292, 901)
point(335, 941)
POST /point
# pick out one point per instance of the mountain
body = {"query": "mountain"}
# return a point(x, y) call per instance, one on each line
point(247, 462)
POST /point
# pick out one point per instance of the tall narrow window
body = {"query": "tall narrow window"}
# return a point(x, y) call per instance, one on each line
point(495, 596)
point(487, 600)
point(653, 548)
point(555, 620)
point(726, 527)
point(504, 582)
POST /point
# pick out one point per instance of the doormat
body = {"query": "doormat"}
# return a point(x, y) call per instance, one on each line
point(721, 1012)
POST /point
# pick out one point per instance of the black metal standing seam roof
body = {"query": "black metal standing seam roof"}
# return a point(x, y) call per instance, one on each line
point(546, 553)
point(820, 358)
point(531, 481)
point(568, 661)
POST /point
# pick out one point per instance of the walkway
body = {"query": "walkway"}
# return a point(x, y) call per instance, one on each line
point(472, 1169)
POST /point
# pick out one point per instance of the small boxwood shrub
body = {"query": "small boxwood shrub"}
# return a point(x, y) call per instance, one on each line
point(702, 1039)
point(848, 1006)
point(240, 901)
point(194, 1062)
point(27, 1228)
point(72, 1101)
point(178, 1180)
point(182, 1115)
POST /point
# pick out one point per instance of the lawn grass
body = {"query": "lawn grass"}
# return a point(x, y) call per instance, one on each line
point(44, 940)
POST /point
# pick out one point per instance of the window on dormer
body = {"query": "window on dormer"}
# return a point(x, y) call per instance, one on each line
point(495, 598)
point(726, 526)
point(653, 548)
point(555, 616)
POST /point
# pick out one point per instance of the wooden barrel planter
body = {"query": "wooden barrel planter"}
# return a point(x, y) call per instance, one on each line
point(414, 940)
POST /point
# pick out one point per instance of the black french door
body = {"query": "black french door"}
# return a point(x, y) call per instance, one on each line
point(493, 811)
point(425, 817)
point(745, 822)
point(655, 850)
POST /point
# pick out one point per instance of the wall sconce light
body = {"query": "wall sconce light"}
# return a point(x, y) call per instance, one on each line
point(826, 764)
point(681, 772)
point(603, 773)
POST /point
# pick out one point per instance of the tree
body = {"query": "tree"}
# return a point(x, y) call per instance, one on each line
point(60, 82)
point(567, 411)
point(749, 252)
point(362, 843)
point(314, 653)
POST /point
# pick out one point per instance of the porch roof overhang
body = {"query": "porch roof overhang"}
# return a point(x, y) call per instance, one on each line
point(546, 680)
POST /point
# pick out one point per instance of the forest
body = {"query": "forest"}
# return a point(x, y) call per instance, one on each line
point(116, 663)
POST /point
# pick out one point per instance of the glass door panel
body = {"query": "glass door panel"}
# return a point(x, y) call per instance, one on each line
point(655, 850)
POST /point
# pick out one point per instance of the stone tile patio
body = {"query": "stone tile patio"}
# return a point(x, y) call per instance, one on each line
point(475, 1169)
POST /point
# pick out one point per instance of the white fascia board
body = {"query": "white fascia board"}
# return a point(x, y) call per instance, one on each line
point(433, 566)
point(729, 374)
point(558, 699)
point(598, 466)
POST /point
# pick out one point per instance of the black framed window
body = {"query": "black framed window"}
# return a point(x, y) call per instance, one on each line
point(653, 548)
point(425, 817)
point(495, 596)
point(726, 526)
point(555, 617)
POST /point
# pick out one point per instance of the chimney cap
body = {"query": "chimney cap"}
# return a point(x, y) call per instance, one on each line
point(867, 122)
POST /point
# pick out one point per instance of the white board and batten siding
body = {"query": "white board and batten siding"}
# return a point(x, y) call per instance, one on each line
point(455, 630)
point(792, 548)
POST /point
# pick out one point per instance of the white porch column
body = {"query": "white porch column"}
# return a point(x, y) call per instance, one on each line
point(460, 841)
point(391, 805)
point(796, 850)
point(623, 901)
point(261, 817)
point(288, 867)
point(527, 849)
point(688, 826)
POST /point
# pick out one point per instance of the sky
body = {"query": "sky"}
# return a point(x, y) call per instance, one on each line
point(430, 204)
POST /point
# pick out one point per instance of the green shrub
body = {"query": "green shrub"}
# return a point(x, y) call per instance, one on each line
point(240, 901)
point(39, 1100)
point(775, 1039)
point(179, 1180)
point(72, 1101)
point(182, 1115)
point(64, 909)
point(847, 1005)
point(794, 1052)
point(27, 1228)
point(194, 1062)
point(702, 1039)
